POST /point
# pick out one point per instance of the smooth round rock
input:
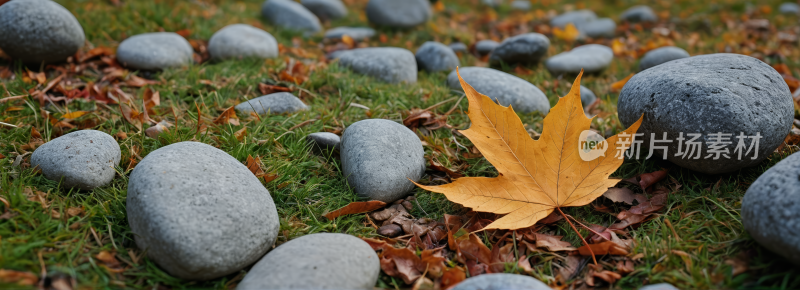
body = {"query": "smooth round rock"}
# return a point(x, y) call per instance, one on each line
point(238, 41)
point(398, 14)
point(291, 15)
point(659, 286)
point(316, 261)
point(356, 33)
point(390, 64)
point(199, 213)
point(323, 143)
point(504, 88)
point(326, 9)
point(379, 157)
point(275, 103)
point(155, 51)
point(639, 13)
point(523, 48)
point(522, 5)
point(577, 18)
point(486, 46)
point(433, 56)
point(599, 28)
point(501, 281)
point(458, 47)
point(592, 58)
point(770, 207)
point(587, 97)
point(661, 55)
point(709, 94)
point(789, 8)
point(37, 31)
point(83, 159)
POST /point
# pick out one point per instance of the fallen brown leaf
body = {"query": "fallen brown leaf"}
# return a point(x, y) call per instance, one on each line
point(617, 194)
point(18, 277)
point(604, 248)
point(227, 117)
point(617, 86)
point(355, 208)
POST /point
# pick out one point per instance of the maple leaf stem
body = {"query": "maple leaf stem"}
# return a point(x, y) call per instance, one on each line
point(585, 227)
point(579, 234)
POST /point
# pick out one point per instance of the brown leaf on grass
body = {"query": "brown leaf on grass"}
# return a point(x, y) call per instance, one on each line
point(254, 166)
point(552, 243)
point(295, 72)
point(452, 276)
point(227, 117)
point(438, 167)
point(151, 99)
point(240, 134)
point(597, 272)
point(355, 208)
point(571, 265)
point(132, 115)
point(738, 266)
point(418, 118)
point(157, 129)
point(75, 211)
point(74, 115)
point(617, 86)
point(617, 194)
point(121, 135)
point(604, 248)
point(37, 196)
point(96, 52)
point(524, 192)
point(35, 135)
point(184, 32)
point(400, 263)
point(266, 89)
point(18, 277)
point(648, 179)
point(625, 266)
point(470, 247)
point(109, 262)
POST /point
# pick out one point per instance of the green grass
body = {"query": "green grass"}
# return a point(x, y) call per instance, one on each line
point(704, 213)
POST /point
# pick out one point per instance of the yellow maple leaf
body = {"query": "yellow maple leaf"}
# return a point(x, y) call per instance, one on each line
point(535, 176)
point(569, 33)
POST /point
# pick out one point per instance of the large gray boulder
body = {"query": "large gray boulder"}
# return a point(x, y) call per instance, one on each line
point(199, 213)
point(37, 31)
point(433, 56)
point(326, 9)
point(379, 157)
point(275, 103)
point(770, 207)
point(661, 55)
point(316, 261)
point(390, 64)
point(291, 15)
point(639, 13)
point(506, 89)
point(577, 18)
point(523, 48)
point(592, 58)
point(356, 33)
point(710, 94)
point(83, 159)
point(398, 14)
point(238, 41)
point(155, 51)
point(501, 281)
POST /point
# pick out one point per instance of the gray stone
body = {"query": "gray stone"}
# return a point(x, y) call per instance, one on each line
point(707, 94)
point(770, 207)
point(492, 3)
point(199, 213)
point(275, 103)
point(323, 143)
point(398, 14)
point(433, 56)
point(356, 33)
point(390, 64)
point(316, 261)
point(639, 13)
point(291, 15)
point(501, 281)
point(661, 55)
point(326, 9)
point(789, 8)
point(592, 58)
point(37, 31)
point(587, 97)
point(242, 41)
point(523, 5)
point(486, 46)
point(379, 157)
point(659, 286)
point(504, 88)
point(599, 28)
point(458, 47)
point(155, 51)
point(523, 48)
point(577, 18)
point(83, 159)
